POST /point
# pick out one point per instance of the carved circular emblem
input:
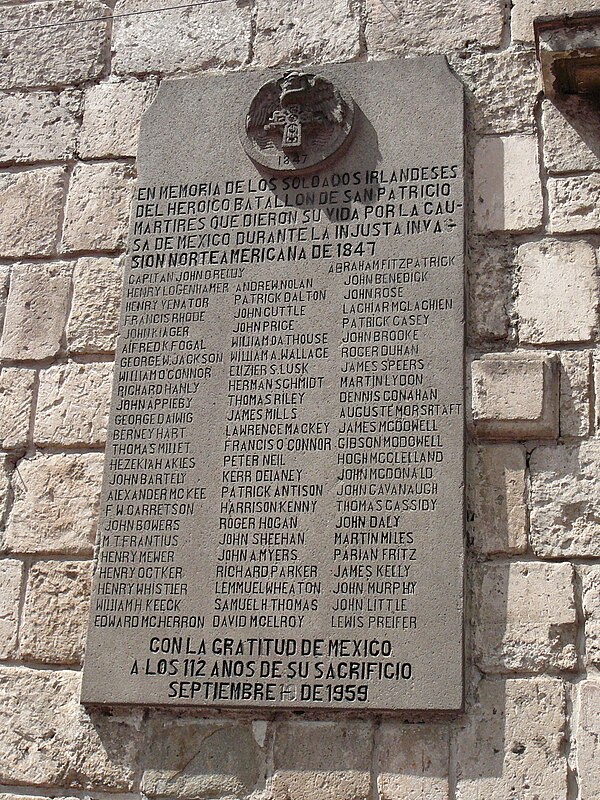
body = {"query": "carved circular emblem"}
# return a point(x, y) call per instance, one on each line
point(297, 122)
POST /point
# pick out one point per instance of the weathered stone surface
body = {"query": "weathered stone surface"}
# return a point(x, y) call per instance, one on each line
point(329, 760)
point(495, 763)
point(501, 89)
point(73, 404)
point(31, 202)
point(56, 505)
point(111, 118)
point(52, 56)
point(490, 287)
point(558, 292)
point(508, 193)
point(94, 315)
point(573, 203)
point(497, 513)
point(38, 126)
point(36, 310)
point(525, 617)
point(565, 500)
point(5, 796)
point(590, 585)
point(293, 32)
point(16, 395)
point(596, 409)
point(47, 738)
point(513, 743)
point(196, 759)
point(575, 369)
point(413, 762)
point(55, 612)
point(4, 284)
point(97, 210)
point(5, 491)
point(515, 396)
point(182, 40)
point(11, 575)
point(588, 740)
point(399, 26)
point(525, 11)
point(571, 135)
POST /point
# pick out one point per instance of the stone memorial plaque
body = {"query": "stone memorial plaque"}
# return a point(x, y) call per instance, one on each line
point(282, 511)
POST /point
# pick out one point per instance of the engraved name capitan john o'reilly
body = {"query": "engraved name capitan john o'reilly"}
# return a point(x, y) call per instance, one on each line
point(297, 122)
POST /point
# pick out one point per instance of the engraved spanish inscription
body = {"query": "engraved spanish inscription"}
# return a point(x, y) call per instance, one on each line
point(282, 511)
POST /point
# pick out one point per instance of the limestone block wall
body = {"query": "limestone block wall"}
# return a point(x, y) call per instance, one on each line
point(71, 97)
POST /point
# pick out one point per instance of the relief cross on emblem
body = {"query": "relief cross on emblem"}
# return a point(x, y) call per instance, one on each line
point(297, 122)
point(293, 114)
point(290, 120)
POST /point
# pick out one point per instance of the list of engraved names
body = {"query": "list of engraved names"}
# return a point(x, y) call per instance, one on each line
point(278, 433)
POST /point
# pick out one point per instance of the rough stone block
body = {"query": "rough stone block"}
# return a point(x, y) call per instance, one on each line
point(98, 202)
point(36, 310)
point(502, 89)
point(571, 135)
point(181, 40)
point(328, 760)
point(94, 316)
point(432, 26)
point(11, 574)
point(196, 759)
point(56, 505)
point(497, 513)
point(48, 739)
point(573, 203)
point(16, 396)
point(73, 404)
point(490, 288)
point(590, 587)
point(515, 396)
point(558, 292)
point(55, 612)
point(292, 32)
point(413, 762)
point(575, 369)
point(38, 126)
point(525, 11)
point(508, 193)
point(54, 55)
point(31, 202)
point(525, 617)
point(111, 118)
point(565, 500)
point(587, 735)
point(513, 744)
